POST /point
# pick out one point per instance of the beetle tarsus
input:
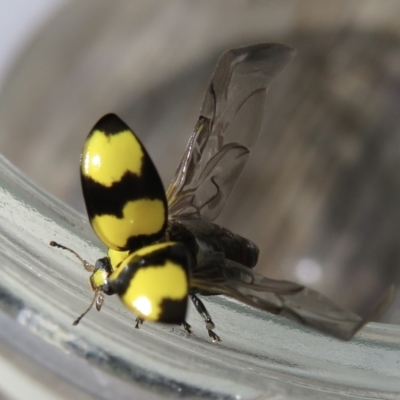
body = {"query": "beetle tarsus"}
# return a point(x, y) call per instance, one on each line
point(187, 327)
point(215, 338)
point(139, 321)
point(202, 310)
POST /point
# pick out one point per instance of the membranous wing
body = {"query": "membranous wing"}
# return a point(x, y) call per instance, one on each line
point(229, 123)
point(219, 275)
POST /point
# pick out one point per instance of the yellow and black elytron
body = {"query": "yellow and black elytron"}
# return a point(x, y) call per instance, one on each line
point(164, 248)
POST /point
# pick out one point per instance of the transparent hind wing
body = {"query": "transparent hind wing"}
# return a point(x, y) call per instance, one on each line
point(296, 302)
point(227, 129)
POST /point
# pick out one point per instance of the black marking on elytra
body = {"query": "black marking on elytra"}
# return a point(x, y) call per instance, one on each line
point(173, 311)
point(136, 242)
point(103, 200)
point(176, 253)
point(110, 124)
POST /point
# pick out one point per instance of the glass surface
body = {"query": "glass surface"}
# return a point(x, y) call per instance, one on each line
point(261, 356)
point(320, 196)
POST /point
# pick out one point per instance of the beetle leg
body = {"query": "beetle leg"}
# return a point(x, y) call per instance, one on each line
point(201, 309)
point(138, 321)
point(187, 327)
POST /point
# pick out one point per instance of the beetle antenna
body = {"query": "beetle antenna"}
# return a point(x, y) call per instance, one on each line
point(94, 300)
point(88, 267)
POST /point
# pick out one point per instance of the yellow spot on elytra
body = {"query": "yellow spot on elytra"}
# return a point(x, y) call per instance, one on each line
point(140, 217)
point(151, 285)
point(107, 158)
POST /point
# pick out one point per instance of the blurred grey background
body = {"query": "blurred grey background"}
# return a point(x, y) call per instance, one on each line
point(321, 193)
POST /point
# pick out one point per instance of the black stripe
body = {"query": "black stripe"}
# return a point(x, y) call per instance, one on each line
point(103, 200)
point(176, 253)
point(139, 241)
point(173, 311)
point(110, 124)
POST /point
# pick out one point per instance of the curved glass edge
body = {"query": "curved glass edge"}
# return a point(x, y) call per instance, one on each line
point(43, 289)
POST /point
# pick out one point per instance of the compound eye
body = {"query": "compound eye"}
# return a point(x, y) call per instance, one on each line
point(103, 264)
